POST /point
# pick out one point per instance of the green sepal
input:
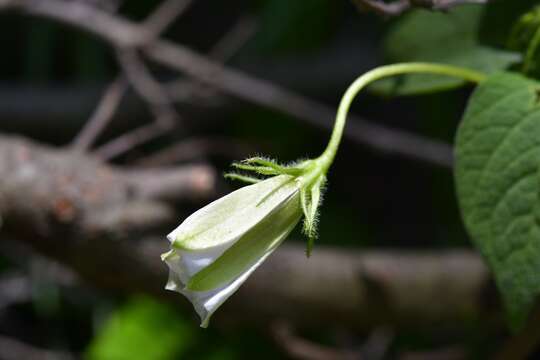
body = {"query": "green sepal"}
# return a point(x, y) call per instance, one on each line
point(311, 198)
point(262, 170)
point(243, 178)
point(268, 166)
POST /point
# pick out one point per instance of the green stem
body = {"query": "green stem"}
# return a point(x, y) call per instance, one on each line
point(327, 157)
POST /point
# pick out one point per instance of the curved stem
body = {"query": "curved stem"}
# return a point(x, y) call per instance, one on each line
point(329, 153)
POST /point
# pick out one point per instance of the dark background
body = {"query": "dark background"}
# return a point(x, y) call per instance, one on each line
point(52, 77)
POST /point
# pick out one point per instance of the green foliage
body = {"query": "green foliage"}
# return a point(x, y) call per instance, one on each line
point(142, 329)
point(448, 38)
point(499, 19)
point(524, 30)
point(497, 176)
point(525, 37)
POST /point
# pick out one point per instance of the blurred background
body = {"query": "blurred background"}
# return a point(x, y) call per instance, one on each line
point(112, 133)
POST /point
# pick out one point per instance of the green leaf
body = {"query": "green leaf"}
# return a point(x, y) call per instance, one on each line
point(142, 329)
point(448, 38)
point(498, 185)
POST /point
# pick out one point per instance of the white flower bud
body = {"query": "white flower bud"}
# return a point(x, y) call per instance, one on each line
point(215, 249)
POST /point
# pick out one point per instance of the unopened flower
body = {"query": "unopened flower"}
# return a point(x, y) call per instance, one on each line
point(215, 249)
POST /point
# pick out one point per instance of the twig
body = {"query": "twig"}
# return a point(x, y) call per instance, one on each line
point(444, 5)
point(122, 33)
point(157, 100)
point(148, 88)
point(234, 39)
point(139, 76)
point(143, 83)
point(397, 8)
point(316, 114)
point(221, 52)
point(163, 183)
point(382, 8)
point(189, 149)
point(102, 115)
point(131, 139)
point(163, 16)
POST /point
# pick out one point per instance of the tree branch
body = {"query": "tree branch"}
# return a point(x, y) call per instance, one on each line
point(192, 148)
point(157, 99)
point(102, 115)
point(397, 8)
point(107, 224)
point(121, 33)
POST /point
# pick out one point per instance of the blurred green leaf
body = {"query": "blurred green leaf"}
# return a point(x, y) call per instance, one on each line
point(142, 329)
point(499, 18)
point(449, 38)
point(497, 176)
point(525, 38)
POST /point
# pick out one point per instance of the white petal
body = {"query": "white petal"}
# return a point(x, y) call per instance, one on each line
point(206, 302)
point(225, 220)
point(207, 234)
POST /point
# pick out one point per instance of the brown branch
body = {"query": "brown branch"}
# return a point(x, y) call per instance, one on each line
point(102, 115)
point(121, 33)
point(221, 52)
point(156, 98)
point(265, 94)
point(397, 8)
point(382, 8)
point(139, 76)
point(131, 139)
point(191, 148)
point(108, 225)
point(233, 40)
point(446, 4)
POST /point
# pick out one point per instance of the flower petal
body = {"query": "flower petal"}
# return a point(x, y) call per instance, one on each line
point(225, 220)
point(261, 239)
point(205, 302)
